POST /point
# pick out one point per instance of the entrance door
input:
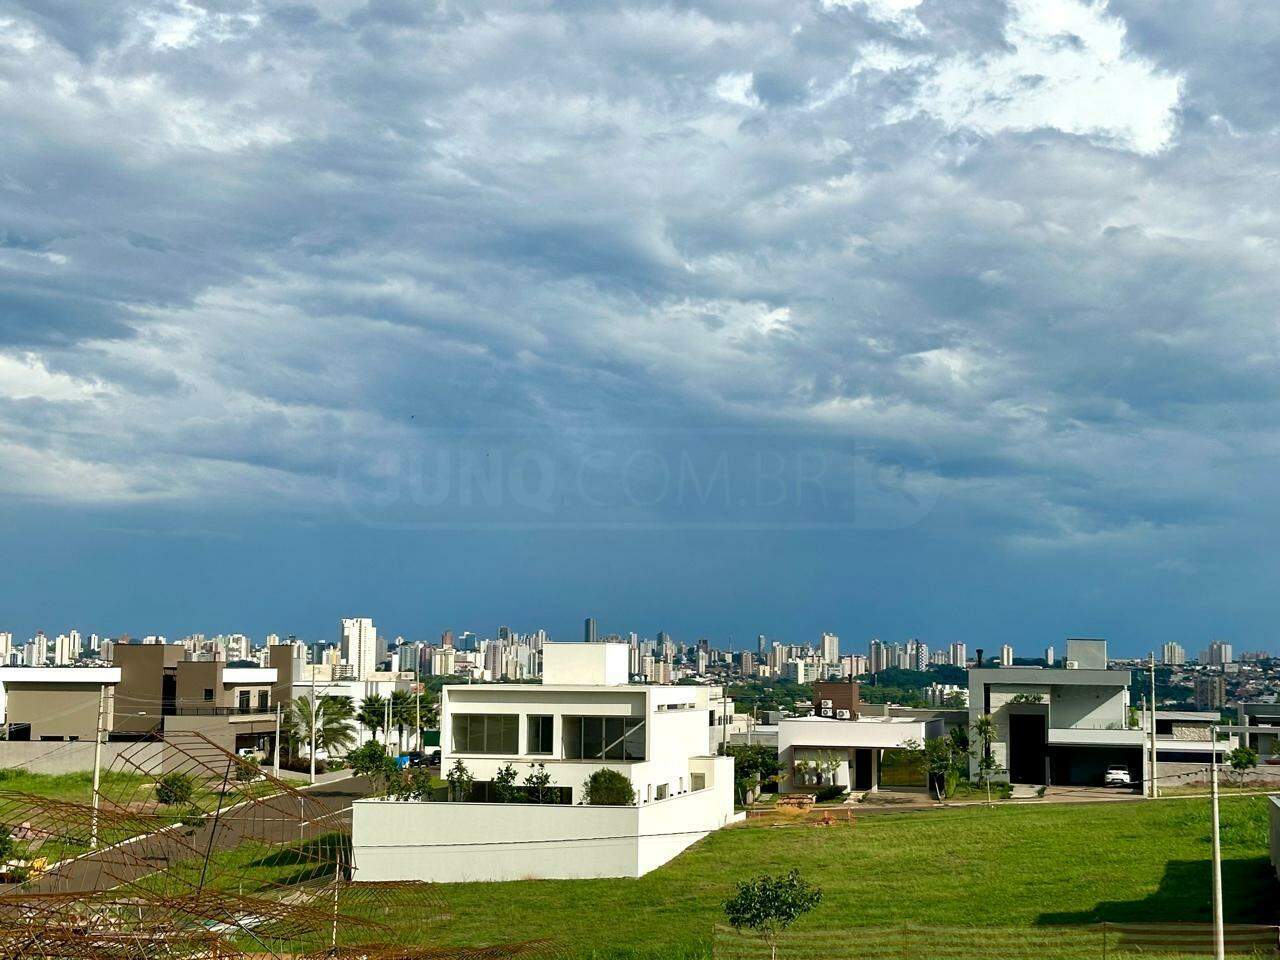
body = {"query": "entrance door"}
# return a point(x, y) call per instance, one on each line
point(862, 770)
point(1028, 747)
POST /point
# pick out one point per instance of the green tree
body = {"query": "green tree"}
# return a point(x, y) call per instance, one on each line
point(945, 763)
point(402, 714)
point(538, 784)
point(1242, 760)
point(769, 905)
point(334, 734)
point(372, 760)
point(984, 730)
point(175, 788)
point(373, 713)
point(460, 782)
point(608, 788)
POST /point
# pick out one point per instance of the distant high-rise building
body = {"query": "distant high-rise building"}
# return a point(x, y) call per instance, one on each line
point(1006, 655)
point(1211, 692)
point(446, 640)
point(830, 648)
point(762, 646)
point(1219, 653)
point(959, 656)
point(589, 630)
point(1173, 654)
point(1050, 657)
point(359, 643)
point(917, 655)
point(876, 656)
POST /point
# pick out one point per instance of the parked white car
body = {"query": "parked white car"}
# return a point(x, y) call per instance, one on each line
point(1117, 776)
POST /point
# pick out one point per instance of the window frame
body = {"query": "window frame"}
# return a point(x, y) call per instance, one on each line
point(540, 729)
point(494, 727)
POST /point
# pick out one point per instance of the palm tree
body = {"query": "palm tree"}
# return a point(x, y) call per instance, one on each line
point(984, 730)
point(373, 713)
point(332, 727)
point(402, 714)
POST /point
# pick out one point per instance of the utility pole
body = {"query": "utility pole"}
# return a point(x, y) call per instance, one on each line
point(314, 710)
point(1155, 779)
point(1219, 946)
point(277, 757)
point(97, 763)
point(417, 695)
point(386, 724)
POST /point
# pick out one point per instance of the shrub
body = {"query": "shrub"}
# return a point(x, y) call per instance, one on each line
point(504, 786)
point(608, 788)
point(175, 788)
point(830, 792)
point(460, 782)
point(247, 770)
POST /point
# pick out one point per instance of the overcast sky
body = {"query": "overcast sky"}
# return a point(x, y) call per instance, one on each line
point(951, 318)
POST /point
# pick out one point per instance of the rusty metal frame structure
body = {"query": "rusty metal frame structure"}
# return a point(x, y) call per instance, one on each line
point(246, 866)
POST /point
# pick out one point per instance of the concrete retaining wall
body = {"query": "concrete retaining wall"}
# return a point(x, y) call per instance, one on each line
point(458, 842)
point(76, 756)
point(1275, 835)
point(1179, 774)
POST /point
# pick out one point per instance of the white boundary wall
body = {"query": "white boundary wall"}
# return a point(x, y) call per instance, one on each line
point(459, 842)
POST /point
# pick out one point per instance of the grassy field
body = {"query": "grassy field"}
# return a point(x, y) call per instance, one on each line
point(1011, 865)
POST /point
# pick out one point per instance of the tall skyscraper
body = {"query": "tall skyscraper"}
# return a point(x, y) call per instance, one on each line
point(762, 646)
point(1218, 654)
point(446, 640)
point(1006, 655)
point(959, 655)
point(830, 648)
point(1173, 654)
point(1050, 656)
point(589, 630)
point(359, 643)
point(1211, 691)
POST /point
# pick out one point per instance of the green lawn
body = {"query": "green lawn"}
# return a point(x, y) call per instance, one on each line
point(1010, 865)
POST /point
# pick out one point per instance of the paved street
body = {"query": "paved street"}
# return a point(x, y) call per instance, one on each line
point(322, 809)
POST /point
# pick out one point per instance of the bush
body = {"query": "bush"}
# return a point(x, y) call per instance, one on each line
point(175, 788)
point(608, 788)
point(303, 765)
point(247, 770)
point(830, 792)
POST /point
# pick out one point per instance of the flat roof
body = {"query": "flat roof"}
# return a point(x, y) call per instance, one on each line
point(569, 687)
point(916, 720)
point(249, 675)
point(93, 675)
point(1048, 676)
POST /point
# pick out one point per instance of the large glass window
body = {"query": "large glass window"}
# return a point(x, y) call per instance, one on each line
point(539, 735)
point(486, 733)
point(603, 738)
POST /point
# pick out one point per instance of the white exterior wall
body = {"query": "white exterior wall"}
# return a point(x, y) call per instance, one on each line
point(672, 737)
point(461, 842)
point(1088, 707)
point(586, 664)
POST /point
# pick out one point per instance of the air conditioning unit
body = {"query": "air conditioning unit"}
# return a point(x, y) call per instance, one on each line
point(826, 703)
point(842, 714)
point(1071, 664)
point(826, 711)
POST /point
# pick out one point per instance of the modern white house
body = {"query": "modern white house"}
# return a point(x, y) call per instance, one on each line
point(1059, 725)
point(583, 717)
point(819, 751)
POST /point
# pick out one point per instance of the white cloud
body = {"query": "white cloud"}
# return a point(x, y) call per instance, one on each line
point(1070, 69)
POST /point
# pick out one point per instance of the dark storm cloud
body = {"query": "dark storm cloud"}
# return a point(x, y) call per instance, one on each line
point(241, 242)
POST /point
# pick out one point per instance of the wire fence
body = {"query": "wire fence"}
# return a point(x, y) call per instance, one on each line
point(1098, 941)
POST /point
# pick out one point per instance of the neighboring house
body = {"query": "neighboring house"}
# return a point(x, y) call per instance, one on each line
point(380, 683)
point(859, 754)
point(582, 718)
point(1058, 725)
point(1266, 739)
point(1183, 743)
point(57, 703)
